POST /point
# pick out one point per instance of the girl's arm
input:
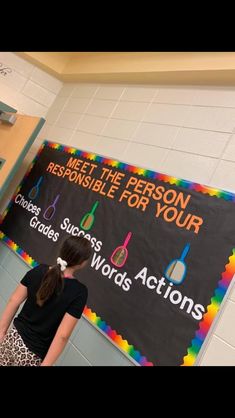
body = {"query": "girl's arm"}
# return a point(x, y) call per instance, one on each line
point(17, 297)
point(60, 339)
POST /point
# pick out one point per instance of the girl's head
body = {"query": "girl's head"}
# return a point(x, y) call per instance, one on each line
point(74, 253)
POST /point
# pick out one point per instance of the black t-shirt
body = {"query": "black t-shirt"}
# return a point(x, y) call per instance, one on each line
point(38, 325)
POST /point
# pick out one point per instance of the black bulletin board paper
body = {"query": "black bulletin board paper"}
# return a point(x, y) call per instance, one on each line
point(162, 247)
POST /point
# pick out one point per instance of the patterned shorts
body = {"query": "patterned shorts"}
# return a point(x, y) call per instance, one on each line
point(13, 351)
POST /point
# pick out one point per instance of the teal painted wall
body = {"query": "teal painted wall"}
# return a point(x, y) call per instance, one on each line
point(5, 108)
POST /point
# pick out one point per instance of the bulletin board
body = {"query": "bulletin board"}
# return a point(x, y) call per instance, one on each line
point(163, 248)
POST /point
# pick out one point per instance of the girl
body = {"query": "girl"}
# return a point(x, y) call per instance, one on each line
point(54, 302)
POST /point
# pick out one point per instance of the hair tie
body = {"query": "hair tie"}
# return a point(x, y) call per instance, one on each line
point(63, 264)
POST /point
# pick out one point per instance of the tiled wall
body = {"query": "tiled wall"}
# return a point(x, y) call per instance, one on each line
point(26, 87)
point(185, 132)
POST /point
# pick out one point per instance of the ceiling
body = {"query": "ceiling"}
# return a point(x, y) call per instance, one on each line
point(215, 68)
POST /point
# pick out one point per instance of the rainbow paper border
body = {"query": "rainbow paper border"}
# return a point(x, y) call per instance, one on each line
point(223, 284)
point(211, 313)
point(14, 247)
point(116, 338)
point(221, 194)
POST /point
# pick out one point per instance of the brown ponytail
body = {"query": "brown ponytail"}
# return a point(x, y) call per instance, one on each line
point(74, 251)
point(52, 283)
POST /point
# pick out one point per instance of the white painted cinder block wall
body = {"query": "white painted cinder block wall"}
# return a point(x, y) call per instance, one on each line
point(187, 132)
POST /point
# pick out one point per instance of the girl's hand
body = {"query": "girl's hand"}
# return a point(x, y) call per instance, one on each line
point(2, 336)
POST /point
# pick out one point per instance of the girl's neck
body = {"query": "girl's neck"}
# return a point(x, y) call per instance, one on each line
point(69, 272)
